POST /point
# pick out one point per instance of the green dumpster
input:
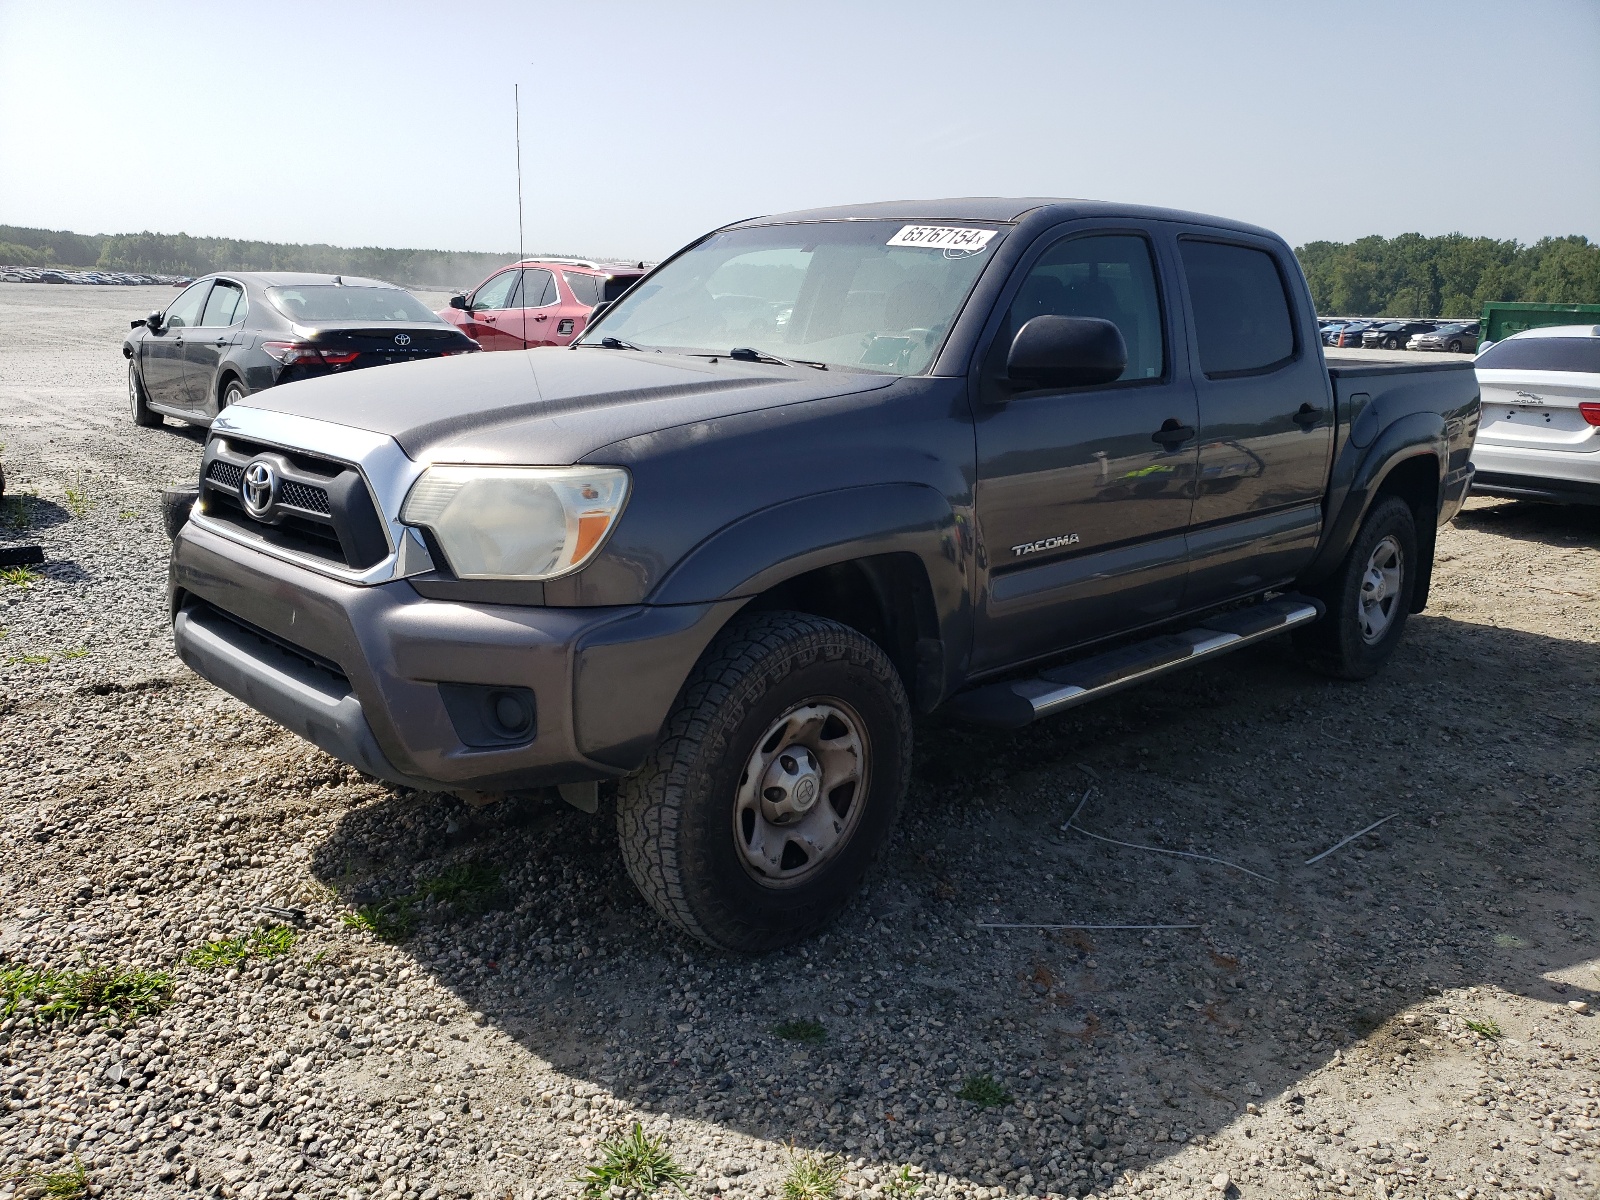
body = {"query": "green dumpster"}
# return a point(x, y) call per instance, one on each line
point(1501, 320)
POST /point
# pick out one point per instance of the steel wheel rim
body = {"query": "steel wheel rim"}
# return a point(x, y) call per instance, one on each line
point(802, 792)
point(133, 391)
point(1380, 589)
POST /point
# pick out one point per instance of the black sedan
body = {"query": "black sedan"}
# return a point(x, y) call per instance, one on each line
point(231, 334)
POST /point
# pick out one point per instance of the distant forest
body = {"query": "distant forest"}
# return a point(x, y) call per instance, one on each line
point(180, 254)
point(1409, 275)
point(1449, 276)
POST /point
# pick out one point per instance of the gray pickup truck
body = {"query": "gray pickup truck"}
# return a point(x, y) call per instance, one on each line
point(813, 475)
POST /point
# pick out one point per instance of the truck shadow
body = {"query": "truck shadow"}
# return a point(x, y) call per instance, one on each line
point(859, 1041)
point(1530, 521)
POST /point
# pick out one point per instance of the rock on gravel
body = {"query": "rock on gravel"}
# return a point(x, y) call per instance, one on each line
point(380, 993)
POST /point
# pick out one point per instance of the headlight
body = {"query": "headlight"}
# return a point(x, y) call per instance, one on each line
point(517, 522)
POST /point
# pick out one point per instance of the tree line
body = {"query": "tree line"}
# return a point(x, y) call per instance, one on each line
point(1449, 276)
point(180, 254)
point(1410, 275)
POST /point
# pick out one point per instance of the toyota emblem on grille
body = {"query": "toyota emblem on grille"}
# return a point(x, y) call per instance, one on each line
point(259, 489)
point(402, 339)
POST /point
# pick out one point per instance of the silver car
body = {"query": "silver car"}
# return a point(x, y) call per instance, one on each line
point(1457, 339)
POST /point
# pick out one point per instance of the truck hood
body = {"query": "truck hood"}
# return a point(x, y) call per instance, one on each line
point(551, 406)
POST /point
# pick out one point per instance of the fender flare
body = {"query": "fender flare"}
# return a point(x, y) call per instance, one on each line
point(1415, 435)
point(786, 540)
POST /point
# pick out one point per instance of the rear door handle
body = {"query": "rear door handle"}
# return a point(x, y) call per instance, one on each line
point(542, 317)
point(490, 320)
point(1308, 416)
point(1172, 433)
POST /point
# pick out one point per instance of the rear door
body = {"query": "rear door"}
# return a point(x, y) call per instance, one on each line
point(162, 365)
point(536, 310)
point(221, 323)
point(1083, 495)
point(1266, 417)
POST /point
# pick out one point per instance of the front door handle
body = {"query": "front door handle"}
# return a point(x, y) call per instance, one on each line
point(1308, 416)
point(1172, 433)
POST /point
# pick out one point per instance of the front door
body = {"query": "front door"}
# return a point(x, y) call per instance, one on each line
point(1083, 495)
point(162, 363)
point(489, 313)
point(1266, 420)
point(206, 343)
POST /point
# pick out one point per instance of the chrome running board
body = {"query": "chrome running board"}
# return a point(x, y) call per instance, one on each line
point(1020, 702)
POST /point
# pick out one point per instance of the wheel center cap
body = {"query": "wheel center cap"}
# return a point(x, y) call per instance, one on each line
point(791, 785)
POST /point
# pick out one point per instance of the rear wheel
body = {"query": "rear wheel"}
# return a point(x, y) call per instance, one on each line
point(1455, 347)
point(1368, 599)
point(138, 402)
point(777, 781)
point(232, 394)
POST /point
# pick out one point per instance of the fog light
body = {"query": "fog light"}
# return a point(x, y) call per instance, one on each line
point(511, 713)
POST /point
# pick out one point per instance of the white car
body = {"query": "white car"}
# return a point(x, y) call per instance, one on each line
point(1539, 436)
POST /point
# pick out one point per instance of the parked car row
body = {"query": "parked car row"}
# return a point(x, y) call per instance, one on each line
point(120, 278)
point(1456, 337)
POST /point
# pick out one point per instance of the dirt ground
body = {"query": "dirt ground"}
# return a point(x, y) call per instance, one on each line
point(467, 1003)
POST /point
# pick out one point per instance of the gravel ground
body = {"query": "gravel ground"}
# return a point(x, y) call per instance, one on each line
point(447, 1002)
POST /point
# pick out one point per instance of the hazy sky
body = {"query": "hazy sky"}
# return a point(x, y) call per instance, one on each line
point(646, 123)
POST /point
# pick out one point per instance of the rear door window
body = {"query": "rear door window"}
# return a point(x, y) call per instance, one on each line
point(1241, 310)
point(226, 304)
point(585, 288)
point(538, 289)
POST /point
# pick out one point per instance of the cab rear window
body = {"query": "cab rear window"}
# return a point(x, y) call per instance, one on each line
point(1543, 354)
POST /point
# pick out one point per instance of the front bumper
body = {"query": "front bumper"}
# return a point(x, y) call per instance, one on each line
point(358, 670)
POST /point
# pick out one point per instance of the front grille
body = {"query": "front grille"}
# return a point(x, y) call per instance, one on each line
point(225, 474)
point(300, 495)
point(322, 508)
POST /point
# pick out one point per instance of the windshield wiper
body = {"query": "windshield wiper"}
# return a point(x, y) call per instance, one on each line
point(613, 343)
point(748, 354)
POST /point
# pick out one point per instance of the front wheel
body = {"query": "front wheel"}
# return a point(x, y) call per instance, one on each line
point(775, 784)
point(138, 404)
point(1368, 598)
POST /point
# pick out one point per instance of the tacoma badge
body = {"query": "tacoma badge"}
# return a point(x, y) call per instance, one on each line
point(1064, 539)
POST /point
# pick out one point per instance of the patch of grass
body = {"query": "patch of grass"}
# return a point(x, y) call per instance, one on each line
point(14, 511)
point(1488, 1028)
point(390, 921)
point(76, 652)
point(801, 1029)
point(812, 1176)
point(71, 1184)
point(33, 660)
point(230, 952)
point(51, 994)
point(21, 577)
point(984, 1090)
point(470, 889)
point(903, 1185)
point(126, 514)
point(467, 887)
point(79, 502)
point(633, 1160)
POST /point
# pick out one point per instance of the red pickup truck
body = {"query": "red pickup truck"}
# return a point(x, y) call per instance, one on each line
point(539, 301)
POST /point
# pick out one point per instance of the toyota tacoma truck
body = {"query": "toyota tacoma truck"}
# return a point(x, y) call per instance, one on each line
point(816, 474)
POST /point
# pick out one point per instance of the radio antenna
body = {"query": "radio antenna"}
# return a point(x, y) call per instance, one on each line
point(522, 300)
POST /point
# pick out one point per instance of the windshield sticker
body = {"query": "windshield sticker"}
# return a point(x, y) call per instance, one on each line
point(956, 243)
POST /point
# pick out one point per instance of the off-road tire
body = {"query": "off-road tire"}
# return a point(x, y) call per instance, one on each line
point(138, 401)
point(1335, 645)
point(675, 814)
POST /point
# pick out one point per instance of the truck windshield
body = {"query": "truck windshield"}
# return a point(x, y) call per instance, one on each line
point(343, 302)
point(871, 295)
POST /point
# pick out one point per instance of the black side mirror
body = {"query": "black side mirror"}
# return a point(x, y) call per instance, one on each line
point(1066, 352)
point(597, 311)
point(458, 301)
point(153, 322)
point(134, 324)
